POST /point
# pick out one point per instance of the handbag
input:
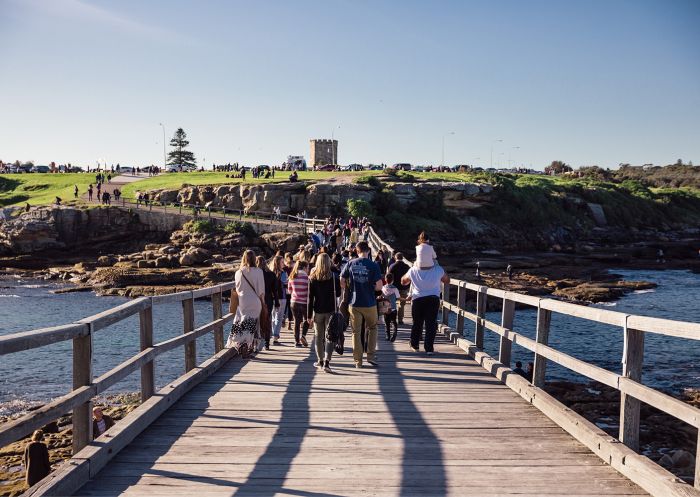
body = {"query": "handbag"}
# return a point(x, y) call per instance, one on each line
point(335, 329)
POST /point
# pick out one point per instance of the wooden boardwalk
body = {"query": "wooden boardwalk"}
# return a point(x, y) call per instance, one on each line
point(417, 425)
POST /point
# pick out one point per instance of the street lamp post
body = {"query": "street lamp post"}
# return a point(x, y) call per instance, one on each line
point(333, 143)
point(509, 152)
point(501, 141)
point(164, 155)
point(442, 163)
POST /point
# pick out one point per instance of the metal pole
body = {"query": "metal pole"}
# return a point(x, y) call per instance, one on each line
point(164, 154)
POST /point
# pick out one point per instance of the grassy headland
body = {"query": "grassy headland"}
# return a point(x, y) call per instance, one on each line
point(40, 189)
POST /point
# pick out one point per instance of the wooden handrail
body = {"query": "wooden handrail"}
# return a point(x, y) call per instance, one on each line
point(632, 391)
point(78, 400)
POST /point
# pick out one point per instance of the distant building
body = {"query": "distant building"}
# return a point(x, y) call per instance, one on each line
point(324, 152)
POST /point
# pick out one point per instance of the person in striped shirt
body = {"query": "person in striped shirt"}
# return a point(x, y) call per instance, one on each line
point(298, 287)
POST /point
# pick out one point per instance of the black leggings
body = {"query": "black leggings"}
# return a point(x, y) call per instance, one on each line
point(424, 311)
point(390, 319)
point(299, 311)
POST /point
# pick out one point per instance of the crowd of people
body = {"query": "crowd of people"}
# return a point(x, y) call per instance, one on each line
point(335, 277)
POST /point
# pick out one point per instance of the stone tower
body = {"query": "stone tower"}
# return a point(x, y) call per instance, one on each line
point(324, 152)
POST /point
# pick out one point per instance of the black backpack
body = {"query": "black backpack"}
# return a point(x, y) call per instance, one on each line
point(335, 330)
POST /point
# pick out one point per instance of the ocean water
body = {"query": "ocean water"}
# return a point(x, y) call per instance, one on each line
point(41, 374)
point(36, 376)
point(670, 364)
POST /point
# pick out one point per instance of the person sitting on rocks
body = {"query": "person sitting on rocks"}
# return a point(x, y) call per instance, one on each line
point(100, 422)
point(519, 369)
point(36, 459)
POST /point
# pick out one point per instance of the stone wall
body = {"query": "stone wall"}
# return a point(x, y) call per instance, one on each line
point(322, 198)
point(324, 152)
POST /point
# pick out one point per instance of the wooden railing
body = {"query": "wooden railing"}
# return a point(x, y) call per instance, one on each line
point(255, 217)
point(634, 328)
point(83, 332)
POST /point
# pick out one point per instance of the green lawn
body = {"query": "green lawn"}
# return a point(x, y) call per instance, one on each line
point(37, 188)
point(176, 180)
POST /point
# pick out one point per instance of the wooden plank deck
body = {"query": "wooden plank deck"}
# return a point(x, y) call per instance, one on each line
point(415, 426)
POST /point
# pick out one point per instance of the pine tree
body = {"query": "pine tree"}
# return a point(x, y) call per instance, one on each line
point(180, 156)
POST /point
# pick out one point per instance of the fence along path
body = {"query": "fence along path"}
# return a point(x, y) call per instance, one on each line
point(444, 406)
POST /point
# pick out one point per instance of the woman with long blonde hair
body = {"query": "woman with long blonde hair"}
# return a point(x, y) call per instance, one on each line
point(250, 287)
point(323, 288)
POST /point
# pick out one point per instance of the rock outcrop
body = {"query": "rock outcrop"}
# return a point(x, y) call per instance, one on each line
point(322, 198)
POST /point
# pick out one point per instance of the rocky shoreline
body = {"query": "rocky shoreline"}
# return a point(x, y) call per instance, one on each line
point(59, 440)
point(664, 439)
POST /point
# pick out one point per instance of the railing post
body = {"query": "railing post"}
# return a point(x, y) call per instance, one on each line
point(632, 359)
point(146, 341)
point(544, 318)
point(445, 299)
point(82, 376)
point(461, 303)
point(219, 330)
point(697, 465)
point(480, 314)
point(507, 314)
point(190, 347)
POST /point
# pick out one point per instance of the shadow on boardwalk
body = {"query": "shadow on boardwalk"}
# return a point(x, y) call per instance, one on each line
point(411, 423)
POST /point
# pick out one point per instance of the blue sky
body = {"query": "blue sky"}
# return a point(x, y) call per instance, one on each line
point(587, 82)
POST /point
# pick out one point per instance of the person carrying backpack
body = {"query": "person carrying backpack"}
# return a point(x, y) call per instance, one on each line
point(323, 288)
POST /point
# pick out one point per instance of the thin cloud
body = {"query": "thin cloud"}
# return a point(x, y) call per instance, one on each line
point(86, 12)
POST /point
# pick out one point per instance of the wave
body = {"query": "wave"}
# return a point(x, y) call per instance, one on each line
point(11, 296)
point(648, 290)
point(608, 304)
point(16, 407)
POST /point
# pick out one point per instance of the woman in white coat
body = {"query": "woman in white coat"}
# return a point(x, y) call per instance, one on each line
point(250, 287)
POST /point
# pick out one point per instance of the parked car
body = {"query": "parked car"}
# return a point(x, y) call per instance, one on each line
point(40, 169)
point(179, 168)
point(375, 167)
point(402, 166)
point(356, 167)
point(462, 168)
point(327, 167)
point(420, 169)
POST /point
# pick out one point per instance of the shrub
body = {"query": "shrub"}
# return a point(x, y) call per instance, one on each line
point(245, 229)
point(372, 181)
point(200, 226)
point(359, 208)
point(406, 176)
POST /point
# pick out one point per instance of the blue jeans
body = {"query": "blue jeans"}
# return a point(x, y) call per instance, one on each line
point(278, 318)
